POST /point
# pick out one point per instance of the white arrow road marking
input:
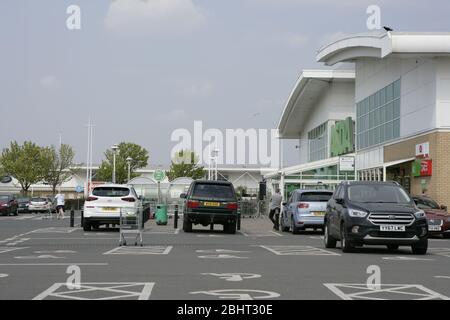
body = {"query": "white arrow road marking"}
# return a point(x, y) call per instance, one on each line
point(399, 258)
point(240, 294)
point(220, 251)
point(56, 251)
point(3, 275)
point(44, 256)
point(221, 256)
point(234, 277)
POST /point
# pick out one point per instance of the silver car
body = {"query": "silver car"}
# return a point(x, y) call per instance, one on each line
point(305, 209)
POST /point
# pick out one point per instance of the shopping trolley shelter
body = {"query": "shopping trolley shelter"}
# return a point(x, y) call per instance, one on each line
point(40, 256)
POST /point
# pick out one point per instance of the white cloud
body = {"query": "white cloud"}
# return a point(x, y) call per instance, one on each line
point(49, 82)
point(154, 17)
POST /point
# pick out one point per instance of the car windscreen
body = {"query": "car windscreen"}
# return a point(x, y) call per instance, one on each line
point(4, 198)
point(315, 196)
point(426, 204)
point(23, 200)
point(111, 192)
point(213, 191)
point(378, 193)
point(38, 200)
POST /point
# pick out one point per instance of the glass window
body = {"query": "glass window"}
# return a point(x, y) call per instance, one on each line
point(383, 96)
point(315, 196)
point(397, 128)
point(383, 114)
point(378, 193)
point(111, 192)
point(382, 134)
point(377, 99)
point(372, 103)
point(397, 88)
point(396, 108)
point(390, 111)
point(389, 92)
point(389, 131)
point(213, 191)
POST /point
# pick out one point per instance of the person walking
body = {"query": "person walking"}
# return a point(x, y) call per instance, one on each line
point(275, 208)
point(60, 201)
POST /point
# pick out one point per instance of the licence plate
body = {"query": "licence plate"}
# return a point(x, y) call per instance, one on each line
point(318, 213)
point(110, 209)
point(211, 204)
point(434, 228)
point(393, 228)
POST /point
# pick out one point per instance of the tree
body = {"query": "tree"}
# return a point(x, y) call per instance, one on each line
point(57, 168)
point(26, 163)
point(185, 164)
point(138, 154)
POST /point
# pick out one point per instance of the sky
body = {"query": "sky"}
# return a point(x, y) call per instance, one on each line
point(143, 68)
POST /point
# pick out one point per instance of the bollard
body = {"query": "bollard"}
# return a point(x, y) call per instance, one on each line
point(72, 218)
point(82, 219)
point(175, 221)
point(239, 222)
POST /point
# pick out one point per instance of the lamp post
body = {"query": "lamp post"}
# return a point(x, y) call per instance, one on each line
point(129, 160)
point(114, 149)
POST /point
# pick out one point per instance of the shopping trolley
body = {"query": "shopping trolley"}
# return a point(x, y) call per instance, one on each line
point(131, 223)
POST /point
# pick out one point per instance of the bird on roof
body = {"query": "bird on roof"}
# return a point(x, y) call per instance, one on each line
point(388, 29)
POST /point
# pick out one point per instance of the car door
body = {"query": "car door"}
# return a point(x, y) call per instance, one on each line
point(332, 211)
point(289, 209)
point(339, 212)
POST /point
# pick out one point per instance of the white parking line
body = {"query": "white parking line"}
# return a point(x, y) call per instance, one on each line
point(105, 291)
point(53, 264)
point(299, 251)
point(348, 291)
point(163, 250)
point(257, 235)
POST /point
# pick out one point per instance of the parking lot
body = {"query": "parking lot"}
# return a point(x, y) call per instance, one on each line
point(38, 257)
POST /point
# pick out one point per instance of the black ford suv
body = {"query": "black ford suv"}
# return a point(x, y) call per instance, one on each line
point(209, 203)
point(374, 213)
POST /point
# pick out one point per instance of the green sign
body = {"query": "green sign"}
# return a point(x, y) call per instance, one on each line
point(342, 137)
point(159, 175)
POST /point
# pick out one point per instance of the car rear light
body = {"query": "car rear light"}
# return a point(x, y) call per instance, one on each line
point(129, 199)
point(193, 204)
point(91, 199)
point(303, 205)
point(232, 206)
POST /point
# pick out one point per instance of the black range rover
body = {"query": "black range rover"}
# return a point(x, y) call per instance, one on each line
point(374, 213)
point(209, 203)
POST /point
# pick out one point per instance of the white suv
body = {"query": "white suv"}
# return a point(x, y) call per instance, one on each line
point(105, 202)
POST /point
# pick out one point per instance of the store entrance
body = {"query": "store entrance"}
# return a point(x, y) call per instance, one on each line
point(400, 173)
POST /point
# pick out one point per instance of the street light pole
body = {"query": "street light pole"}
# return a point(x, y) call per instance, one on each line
point(114, 149)
point(129, 160)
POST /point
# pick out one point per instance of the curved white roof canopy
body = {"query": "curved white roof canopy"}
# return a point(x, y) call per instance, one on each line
point(309, 88)
point(380, 45)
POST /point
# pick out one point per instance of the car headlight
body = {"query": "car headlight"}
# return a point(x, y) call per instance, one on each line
point(420, 214)
point(357, 213)
point(4, 205)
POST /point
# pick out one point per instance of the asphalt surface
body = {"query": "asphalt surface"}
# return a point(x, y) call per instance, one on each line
point(40, 257)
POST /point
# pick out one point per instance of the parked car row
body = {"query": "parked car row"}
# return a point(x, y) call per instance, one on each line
point(11, 204)
point(367, 213)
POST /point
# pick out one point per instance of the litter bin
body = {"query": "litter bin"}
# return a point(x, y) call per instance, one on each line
point(161, 214)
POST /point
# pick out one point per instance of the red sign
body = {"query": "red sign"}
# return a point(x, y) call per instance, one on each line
point(426, 168)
